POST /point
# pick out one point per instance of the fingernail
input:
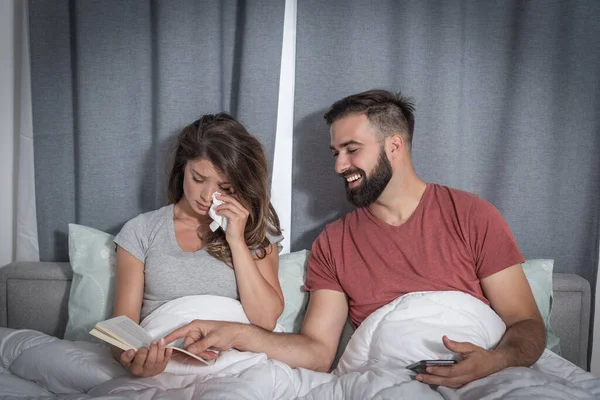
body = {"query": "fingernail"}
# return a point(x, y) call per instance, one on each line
point(130, 353)
point(419, 378)
point(191, 348)
point(161, 341)
point(428, 369)
point(154, 342)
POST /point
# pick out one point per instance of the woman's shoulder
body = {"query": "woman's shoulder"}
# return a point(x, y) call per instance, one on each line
point(156, 214)
point(147, 221)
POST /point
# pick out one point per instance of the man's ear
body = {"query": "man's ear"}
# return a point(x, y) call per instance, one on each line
point(395, 145)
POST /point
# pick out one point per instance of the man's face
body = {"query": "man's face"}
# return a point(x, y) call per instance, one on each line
point(360, 159)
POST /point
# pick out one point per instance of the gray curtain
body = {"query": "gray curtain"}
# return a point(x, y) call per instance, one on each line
point(114, 81)
point(508, 106)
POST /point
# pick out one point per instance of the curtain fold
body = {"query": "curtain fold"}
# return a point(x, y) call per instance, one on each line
point(113, 82)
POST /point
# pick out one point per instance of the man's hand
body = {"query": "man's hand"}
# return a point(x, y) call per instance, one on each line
point(202, 335)
point(476, 363)
point(146, 361)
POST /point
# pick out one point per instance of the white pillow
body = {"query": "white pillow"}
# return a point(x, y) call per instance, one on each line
point(539, 276)
point(292, 273)
point(92, 257)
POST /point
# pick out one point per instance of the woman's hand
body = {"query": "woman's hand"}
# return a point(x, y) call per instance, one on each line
point(237, 217)
point(146, 361)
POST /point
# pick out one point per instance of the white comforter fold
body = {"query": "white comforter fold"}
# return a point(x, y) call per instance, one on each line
point(372, 367)
point(410, 329)
point(58, 366)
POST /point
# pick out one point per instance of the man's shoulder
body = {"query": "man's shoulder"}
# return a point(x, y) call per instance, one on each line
point(442, 190)
point(456, 197)
point(336, 228)
point(462, 203)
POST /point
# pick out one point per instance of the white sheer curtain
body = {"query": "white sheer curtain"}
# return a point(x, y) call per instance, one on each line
point(281, 185)
point(18, 230)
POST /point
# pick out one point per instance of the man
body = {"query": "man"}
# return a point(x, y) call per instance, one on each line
point(405, 236)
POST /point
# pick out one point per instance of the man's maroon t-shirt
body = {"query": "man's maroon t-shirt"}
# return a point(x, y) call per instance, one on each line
point(452, 240)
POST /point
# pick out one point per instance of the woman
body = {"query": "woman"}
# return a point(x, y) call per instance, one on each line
point(171, 252)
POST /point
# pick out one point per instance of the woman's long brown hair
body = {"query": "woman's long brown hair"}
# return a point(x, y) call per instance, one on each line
point(225, 142)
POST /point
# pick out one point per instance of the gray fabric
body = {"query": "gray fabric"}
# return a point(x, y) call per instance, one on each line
point(35, 295)
point(570, 316)
point(507, 107)
point(170, 272)
point(48, 312)
point(113, 82)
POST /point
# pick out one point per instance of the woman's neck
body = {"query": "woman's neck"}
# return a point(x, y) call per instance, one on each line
point(183, 212)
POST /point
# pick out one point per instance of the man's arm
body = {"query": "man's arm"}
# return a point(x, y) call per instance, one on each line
point(313, 348)
point(523, 342)
point(510, 296)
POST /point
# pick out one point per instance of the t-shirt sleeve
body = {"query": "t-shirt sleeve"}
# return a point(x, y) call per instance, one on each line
point(321, 272)
point(134, 238)
point(275, 239)
point(492, 242)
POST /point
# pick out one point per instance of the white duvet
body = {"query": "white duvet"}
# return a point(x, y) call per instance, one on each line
point(410, 328)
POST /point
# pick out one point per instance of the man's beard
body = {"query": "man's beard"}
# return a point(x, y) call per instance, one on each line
point(371, 187)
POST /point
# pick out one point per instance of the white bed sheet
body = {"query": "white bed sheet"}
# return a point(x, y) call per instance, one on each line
point(372, 367)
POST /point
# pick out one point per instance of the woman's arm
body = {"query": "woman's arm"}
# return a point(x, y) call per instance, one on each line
point(129, 289)
point(129, 285)
point(257, 280)
point(129, 293)
point(258, 284)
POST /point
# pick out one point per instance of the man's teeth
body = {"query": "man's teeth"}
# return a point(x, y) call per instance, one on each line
point(352, 178)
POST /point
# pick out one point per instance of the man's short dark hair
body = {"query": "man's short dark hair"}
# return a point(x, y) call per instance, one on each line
point(390, 113)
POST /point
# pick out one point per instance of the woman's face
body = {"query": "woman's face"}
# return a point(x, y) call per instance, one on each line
point(201, 179)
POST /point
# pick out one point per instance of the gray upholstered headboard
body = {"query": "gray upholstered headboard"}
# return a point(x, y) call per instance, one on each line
point(35, 296)
point(570, 316)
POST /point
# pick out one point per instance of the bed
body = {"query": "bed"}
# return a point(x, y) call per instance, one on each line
point(33, 312)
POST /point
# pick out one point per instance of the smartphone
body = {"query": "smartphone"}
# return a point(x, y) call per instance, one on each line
point(419, 366)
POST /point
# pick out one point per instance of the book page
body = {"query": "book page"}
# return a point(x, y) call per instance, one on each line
point(125, 330)
point(207, 362)
point(110, 340)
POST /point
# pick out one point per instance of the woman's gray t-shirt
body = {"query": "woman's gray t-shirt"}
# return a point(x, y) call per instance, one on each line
point(170, 272)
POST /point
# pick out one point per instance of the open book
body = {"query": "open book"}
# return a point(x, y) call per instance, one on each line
point(125, 334)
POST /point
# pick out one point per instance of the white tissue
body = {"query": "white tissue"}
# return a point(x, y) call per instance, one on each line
point(218, 220)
